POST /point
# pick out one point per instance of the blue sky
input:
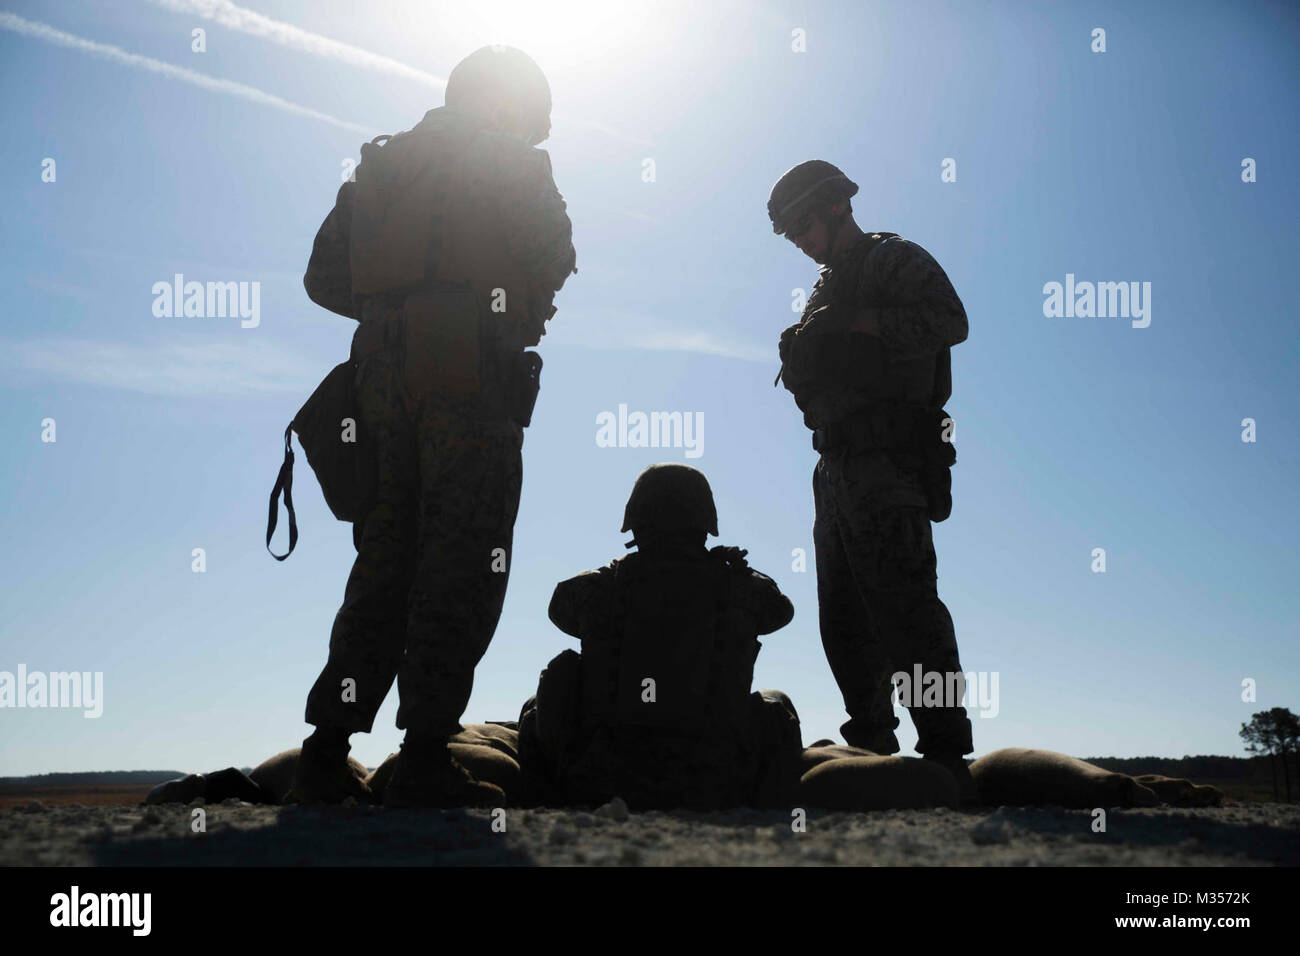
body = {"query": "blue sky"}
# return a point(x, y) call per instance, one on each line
point(1072, 434)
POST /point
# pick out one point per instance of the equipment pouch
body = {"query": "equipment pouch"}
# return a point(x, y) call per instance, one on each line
point(337, 449)
point(443, 353)
point(525, 382)
point(938, 455)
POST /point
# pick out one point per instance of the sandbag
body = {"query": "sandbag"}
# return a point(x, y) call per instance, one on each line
point(488, 764)
point(822, 751)
point(878, 783)
point(377, 780)
point(1180, 792)
point(275, 774)
point(502, 737)
point(484, 762)
point(211, 787)
point(1022, 776)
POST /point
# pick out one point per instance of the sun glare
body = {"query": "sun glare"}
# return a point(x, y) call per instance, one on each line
point(554, 32)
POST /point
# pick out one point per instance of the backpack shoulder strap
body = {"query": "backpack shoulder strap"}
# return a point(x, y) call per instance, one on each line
point(283, 482)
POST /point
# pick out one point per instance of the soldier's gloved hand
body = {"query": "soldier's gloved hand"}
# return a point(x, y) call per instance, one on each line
point(786, 338)
point(732, 557)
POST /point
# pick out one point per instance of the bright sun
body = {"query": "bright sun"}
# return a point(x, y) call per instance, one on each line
point(548, 30)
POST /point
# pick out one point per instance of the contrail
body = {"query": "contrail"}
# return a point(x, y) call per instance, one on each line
point(49, 34)
point(286, 34)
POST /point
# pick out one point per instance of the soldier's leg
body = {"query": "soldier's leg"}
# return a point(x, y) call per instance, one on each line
point(470, 475)
point(891, 550)
point(548, 727)
point(779, 747)
point(370, 628)
point(857, 657)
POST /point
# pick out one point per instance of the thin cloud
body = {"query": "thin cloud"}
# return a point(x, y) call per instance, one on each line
point(644, 333)
point(232, 17)
point(213, 369)
point(704, 344)
point(43, 31)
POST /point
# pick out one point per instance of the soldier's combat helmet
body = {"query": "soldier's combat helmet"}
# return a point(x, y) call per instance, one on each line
point(502, 75)
point(803, 188)
point(670, 497)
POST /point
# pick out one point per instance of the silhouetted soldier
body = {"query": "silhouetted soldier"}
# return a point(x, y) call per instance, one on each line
point(448, 248)
point(657, 708)
point(868, 364)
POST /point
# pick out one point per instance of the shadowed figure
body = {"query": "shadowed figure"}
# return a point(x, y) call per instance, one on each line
point(657, 708)
point(448, 249)
point(868, 364)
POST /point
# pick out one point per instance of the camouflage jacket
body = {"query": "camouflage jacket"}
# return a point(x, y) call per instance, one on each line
point(835, 371)
point(529, 215)
point(688, 620)
point(587, 606)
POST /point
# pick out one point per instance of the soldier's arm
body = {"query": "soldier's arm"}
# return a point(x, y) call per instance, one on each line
point(926, 313)
point(539, 232)
point(575, 600)
point(328, 279)
point(772, 609)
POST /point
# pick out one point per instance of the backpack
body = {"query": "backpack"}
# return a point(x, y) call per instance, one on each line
point(369, 242)
point(337, 451)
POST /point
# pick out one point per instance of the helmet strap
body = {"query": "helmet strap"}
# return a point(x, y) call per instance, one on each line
point(834, 226)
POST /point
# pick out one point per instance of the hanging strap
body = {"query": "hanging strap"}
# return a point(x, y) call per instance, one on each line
point(283, 482)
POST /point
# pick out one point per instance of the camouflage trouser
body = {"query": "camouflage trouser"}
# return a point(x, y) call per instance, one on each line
point(428, 584)
point(878, 600)
point(567, 760)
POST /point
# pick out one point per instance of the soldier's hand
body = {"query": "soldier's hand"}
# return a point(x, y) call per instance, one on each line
point(786, 338)
point(732, 557)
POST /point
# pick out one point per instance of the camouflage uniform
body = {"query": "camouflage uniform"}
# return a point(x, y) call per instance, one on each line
point(426, 591)
point(583, 739)
point(876, 576)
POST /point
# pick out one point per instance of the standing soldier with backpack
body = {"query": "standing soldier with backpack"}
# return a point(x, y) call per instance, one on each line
point(868, 364)
point(448, 249)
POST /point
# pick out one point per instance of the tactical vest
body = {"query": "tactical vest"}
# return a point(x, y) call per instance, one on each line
point(681, 654)
point(855, 394)
point(836, 372)
point(425, 215)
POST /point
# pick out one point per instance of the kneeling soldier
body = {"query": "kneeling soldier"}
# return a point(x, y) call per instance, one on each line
point(657, 708)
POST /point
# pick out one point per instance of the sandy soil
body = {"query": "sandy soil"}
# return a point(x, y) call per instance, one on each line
point(107, 794)
point(242, 834)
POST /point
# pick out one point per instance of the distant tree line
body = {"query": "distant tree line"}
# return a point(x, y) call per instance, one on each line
point(92, 777)
point(1275, 732)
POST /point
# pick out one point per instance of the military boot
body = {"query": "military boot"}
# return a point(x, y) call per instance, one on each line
point(944, 735)
point(879, 740)
point(323, 774)
point(428, 776)
point(955, 764)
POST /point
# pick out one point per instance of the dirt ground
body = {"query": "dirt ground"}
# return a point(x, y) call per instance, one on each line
point(98, 795)
point(240, 834)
